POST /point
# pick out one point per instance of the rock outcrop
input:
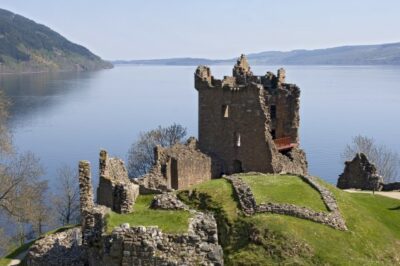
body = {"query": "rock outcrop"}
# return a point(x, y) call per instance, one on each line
point(360, 173)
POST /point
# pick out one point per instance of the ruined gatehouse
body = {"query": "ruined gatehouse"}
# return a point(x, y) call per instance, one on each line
point(249, 122)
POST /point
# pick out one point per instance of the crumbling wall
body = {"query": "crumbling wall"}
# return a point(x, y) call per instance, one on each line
point(360, 173)
point(148, 246)
point(115, 189)
point(240, 116)
point(92, 216)
point(63, 248)
point(176, 167)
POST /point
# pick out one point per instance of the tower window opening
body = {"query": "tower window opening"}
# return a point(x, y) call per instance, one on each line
point(237, 140)
point(272, 111)
point(225, 111)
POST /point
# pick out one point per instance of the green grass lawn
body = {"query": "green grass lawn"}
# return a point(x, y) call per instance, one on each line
point(220, 190)
point(284, 189)
point(373, 221)
point(167, 220)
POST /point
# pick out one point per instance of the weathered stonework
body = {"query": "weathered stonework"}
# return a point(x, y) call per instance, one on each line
point(115, 190)
point(168, 201)
point(244, 194)
point(360, 174)
point(248, 204)
point(178, 167)
point(92, 216)
point(150, 246)
point(64, 248)
point(249, 123)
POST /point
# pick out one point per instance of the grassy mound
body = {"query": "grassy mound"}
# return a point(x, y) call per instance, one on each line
point(284, 189)
point(266, 239)
point(167, 220)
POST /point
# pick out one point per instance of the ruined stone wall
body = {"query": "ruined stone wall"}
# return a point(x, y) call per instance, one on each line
point(148, 246)
point(115, 190)
point(63, 248)
point(360, 173)
point(235, 123)
point(176, 167)
point(92, 216)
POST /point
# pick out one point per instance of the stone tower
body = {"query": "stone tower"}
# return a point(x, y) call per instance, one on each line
point(250, 123)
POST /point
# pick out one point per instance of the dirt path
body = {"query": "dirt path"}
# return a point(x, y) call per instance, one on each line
point(390, 194)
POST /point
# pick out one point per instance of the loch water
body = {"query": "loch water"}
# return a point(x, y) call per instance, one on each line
point(67, 117)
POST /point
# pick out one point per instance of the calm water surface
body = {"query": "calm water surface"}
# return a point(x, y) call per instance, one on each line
point(67, 117)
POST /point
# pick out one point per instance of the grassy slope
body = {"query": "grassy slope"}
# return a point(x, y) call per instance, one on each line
point(373, 237)
point(284, 189)
point(167, 221)
point(267, 239)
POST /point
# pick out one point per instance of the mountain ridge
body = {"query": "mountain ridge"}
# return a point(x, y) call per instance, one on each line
point(27, 46)
point(370, 54)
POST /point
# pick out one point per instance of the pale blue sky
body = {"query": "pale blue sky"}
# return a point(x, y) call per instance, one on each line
point(131, 29)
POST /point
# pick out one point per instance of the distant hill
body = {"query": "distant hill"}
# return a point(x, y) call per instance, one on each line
point(383, 54)
point(26, 46)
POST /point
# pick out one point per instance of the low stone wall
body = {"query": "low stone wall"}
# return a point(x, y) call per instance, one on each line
point(244, 195)
point(64, 248)
point(248, 204)
point(332, 219)
point(150, 246)
point(326, 194)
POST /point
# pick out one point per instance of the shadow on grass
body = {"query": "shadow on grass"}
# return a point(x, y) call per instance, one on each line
point(394, 208)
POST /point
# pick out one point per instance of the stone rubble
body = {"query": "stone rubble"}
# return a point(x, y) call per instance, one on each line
point(168, 201)
point(59, 249)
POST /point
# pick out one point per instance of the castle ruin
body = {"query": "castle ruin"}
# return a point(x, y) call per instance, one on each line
point(248, 122)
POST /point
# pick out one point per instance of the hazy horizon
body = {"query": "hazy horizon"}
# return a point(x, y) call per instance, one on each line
point(123, 30)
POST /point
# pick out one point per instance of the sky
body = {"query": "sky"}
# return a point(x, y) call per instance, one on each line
point(133, 29)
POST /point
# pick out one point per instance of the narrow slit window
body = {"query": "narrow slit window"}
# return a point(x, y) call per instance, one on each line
point(272, 111)
point(237, 140)
point(225, 111)
point(273, 134)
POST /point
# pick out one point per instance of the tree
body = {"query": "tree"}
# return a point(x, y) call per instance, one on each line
point(66, 202)
point(386, 161)
point(141, 153)
point(5, 137)
point(22, 193)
